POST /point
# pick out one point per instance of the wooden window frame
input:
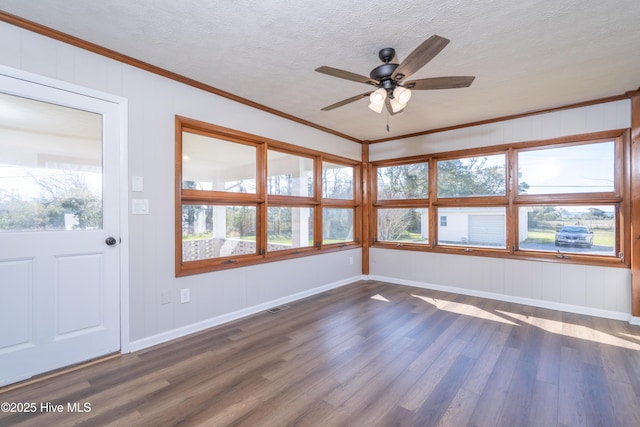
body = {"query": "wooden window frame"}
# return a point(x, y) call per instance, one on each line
point(355, 203)
point(399, 203)
point(511, 201)
point(261, 200)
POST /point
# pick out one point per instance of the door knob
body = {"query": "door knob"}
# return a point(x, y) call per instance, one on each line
point(111, 241)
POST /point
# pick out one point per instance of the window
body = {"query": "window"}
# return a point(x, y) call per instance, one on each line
point(289, 174)
point(565, 228)
point(403, 225)
point(290, 188)
point(583, 168)
point(403, 181)
point(221, 200)
point(565, 199)
point(217, 165)
point(49, 182)
point(471, 198)
point(215, 231)
point(472, 176)
point(580, 179)
point(402, 203)
point(478, 226)
point(242, 199)
point(339, 212)
point(337, 181)
point(337, 225)
point(289, 228)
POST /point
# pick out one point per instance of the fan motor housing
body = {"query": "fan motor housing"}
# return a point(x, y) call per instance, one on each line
point(383, 72)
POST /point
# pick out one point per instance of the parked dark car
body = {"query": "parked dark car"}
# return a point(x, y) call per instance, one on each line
point(577, 235)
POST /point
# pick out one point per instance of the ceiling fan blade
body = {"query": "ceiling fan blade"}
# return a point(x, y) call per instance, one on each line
point(346, 101)
point(440, 83)
point(348, 75)
point(420, 56)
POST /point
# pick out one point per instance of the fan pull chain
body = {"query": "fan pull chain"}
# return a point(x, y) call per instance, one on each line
point(387, 121)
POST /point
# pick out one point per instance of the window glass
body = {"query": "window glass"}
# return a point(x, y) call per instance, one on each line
point(337, 181)
point(50, 167)
point(217, 231)
point(577, 229)
point(482, 227)
point(472, 176)
point(289, 175)
point(337, 225)
point(289, 227)
point(403, 181)
point(409, 225)
point(217, 165)
point(587, 168)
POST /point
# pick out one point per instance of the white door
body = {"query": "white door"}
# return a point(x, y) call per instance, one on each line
point(59, 181)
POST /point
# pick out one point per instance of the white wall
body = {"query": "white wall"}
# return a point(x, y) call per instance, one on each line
point(153, 103)
point(600, 291)
point(589, 289)
point(594, 118)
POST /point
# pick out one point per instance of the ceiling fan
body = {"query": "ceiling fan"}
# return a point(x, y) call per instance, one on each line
point(391, 89)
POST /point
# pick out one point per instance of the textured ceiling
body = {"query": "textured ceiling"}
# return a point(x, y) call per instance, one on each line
point(526, 56)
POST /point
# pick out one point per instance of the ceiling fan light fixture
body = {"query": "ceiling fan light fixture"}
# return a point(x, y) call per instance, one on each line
point(402, 95)
point(396, 106)
point(377, 98)
point(376, 108)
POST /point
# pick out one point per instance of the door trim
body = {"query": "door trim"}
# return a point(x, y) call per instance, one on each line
point(123, 187)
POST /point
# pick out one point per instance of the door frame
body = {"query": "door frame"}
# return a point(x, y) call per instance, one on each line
point(123, 178)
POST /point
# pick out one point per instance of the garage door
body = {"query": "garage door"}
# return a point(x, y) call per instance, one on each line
point(487, 230)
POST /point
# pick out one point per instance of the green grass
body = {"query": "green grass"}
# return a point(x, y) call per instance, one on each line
point(541, 236)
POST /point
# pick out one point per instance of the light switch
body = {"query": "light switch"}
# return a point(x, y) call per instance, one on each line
point(140, 206)
point(137, 183)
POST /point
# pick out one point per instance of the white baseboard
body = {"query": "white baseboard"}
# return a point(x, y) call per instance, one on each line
point(634, 320)
point(515, 299)
point(219, 320)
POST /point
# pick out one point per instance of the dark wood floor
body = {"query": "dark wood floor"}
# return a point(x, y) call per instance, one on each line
point(367, 354)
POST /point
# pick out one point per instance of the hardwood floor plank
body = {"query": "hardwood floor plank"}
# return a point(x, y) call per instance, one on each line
point(357, 411)
point(486, 362)
point(389, 389)
point(549, 363)
point(571, 410)
point(544, 405)
point(491, 402)
point(366, 354)
point(580, 334)
point(432, 376)
point(397, 417)
point(598, 409)
point(365, 370)
point(460, 409)
point(626, 405)
point(519, 396)
point(632, 366)
point(429, 355)
point(436, 405)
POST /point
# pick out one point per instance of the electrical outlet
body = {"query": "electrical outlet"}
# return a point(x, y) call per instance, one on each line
point(184, 295)
point(351, 260)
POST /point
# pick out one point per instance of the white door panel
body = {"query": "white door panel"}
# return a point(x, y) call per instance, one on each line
point(59, 202)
